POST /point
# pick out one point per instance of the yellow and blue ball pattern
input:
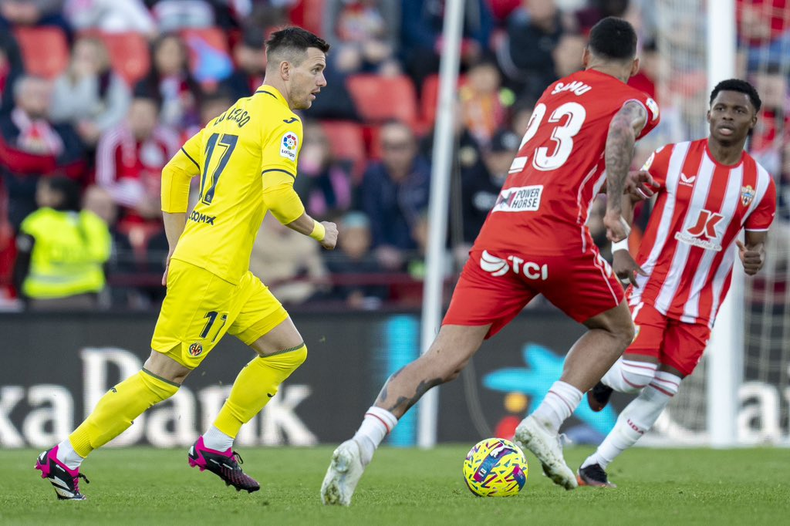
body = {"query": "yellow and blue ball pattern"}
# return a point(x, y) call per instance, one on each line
point(495, 467)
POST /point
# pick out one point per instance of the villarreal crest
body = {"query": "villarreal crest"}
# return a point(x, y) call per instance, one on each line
point(747, 194)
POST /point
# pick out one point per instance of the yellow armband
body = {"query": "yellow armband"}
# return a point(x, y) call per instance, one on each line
point(319, 232)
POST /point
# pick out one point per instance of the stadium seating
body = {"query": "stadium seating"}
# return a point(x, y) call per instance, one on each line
point(348, 143)
point(429, 99)
point(45, 50)
point(213, 39)
point(129, 55)
point(379, 99)
point(309, 14)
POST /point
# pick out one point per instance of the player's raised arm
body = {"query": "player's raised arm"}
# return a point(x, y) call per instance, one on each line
point(284, 203)
point(176, 176)
point(623, 131)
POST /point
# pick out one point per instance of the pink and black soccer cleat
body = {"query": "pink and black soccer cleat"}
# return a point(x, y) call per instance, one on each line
point(594, 475)
point(64, 480)
point(224, 464)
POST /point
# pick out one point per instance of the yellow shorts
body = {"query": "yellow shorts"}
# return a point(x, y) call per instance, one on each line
point(200, 307)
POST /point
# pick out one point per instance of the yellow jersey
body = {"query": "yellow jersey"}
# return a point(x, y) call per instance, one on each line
point(246, 158)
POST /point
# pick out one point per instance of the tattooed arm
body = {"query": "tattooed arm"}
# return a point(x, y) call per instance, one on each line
point(623, 131)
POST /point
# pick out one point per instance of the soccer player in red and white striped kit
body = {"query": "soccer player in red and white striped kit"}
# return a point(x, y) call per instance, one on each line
point(709, 190)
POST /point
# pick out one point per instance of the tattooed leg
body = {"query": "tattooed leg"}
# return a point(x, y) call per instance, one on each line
point(444, 361)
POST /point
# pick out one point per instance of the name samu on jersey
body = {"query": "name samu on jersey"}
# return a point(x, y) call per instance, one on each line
point(559, 169)
point(252, 146)
point(689, 249)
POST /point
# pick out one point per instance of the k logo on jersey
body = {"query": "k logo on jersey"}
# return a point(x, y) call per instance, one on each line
point(703, 233)
point(289, 146)
point(195, 349)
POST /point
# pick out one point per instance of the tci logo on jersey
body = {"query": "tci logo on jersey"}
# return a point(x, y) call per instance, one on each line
point(703, 233)
point(499, 267)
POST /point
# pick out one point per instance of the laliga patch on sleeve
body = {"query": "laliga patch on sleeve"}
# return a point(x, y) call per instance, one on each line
point(289, 145)
point(653, 107)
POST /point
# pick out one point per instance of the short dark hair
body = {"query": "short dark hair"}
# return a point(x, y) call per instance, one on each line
point(741, 86)
point(294, 41)
point(68, 189)
point(613, 38)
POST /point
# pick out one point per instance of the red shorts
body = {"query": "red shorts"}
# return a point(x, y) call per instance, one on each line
point(679, 345)
point(494, 288)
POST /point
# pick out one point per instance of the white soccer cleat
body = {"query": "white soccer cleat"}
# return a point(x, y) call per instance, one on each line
point(343, 474)
point(547, 446)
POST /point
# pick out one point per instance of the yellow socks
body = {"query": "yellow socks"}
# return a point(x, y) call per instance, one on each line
point(118, 408)
point(256, 384)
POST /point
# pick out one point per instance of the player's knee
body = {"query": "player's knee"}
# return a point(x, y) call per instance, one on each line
point(665, 383)
point(296, 357)
point(636, 375)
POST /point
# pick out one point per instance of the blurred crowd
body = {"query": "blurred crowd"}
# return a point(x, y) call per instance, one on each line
point(97, 95)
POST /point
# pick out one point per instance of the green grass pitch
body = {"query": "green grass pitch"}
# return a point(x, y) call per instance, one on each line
point(412, 487)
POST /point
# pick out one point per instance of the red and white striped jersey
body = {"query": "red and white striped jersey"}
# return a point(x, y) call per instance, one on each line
point(544, 203)
point(130, 169)
point(689, 246)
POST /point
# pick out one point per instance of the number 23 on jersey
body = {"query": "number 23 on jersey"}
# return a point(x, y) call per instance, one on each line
point(544, 158)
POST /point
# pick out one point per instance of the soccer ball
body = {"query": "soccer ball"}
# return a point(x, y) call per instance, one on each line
point(495, 467)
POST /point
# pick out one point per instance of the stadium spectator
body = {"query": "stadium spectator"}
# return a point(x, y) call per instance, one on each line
point(11, 68)
point(649, 64)
point(355, 260)
point(520, 115)
point(335, 102)
point(129, 162)
point(480, 184)
point(172, 15)
point(422, 37)
point(536, 26)
point(395, 192)
point(15, 13)
point(364, 34)
point(250, 57)
point(596, 10)
point(110, 16)
point(324, 183)
point(32, 147)
point(289, 262)
point(764, 26)
point(567, 55)
point(501, 9)
point(484, 102)
point(170, 81)
point(89, 95)
point(61, 250)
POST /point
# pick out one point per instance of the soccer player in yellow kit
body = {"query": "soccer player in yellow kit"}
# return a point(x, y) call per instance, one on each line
point(246, 160)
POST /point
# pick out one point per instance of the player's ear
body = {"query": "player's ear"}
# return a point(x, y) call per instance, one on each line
point(285, 70)
point(586, 57)
point(635, 66)
point(707, 115)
